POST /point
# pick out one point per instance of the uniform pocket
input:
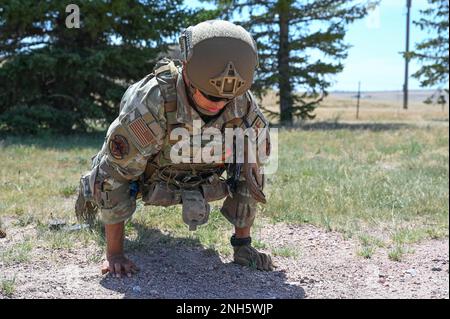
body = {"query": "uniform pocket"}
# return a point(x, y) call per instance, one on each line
point(215, 191)
point(161, 194)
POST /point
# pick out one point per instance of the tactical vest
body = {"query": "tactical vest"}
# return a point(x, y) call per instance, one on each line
point(163, 179)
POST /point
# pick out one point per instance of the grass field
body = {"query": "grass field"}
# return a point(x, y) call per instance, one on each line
point(384, 183)
point(374, 107)
point(388, 187)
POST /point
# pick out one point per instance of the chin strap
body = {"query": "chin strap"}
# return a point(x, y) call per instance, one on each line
point(238, 242)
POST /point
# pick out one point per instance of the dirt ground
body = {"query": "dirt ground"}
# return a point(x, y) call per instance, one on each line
point(325, 266)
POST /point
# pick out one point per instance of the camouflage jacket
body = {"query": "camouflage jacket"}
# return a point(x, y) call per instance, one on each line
point(138, 144)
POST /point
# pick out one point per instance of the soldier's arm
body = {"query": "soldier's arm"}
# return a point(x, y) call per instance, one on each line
point(133, 138)
point(240, 208)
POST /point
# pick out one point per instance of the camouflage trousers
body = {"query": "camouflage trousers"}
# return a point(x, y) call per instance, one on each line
point(116, 195)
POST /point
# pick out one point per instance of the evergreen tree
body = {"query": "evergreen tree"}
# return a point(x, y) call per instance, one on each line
point(301, 44)
point(433, 52)
point(65, 79)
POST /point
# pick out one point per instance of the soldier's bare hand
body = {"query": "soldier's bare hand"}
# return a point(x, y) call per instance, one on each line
point(119, 265)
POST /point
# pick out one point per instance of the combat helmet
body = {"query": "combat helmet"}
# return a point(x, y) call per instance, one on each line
point(220, 58)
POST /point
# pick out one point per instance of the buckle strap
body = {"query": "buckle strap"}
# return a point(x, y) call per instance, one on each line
point(238, 242)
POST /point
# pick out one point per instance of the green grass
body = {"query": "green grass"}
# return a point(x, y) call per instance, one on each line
point(285, 252)
point(96, 257)
point(259, 244)
point(396, 253)
point(369, 245)
point(24, 220)
point(8, 287)
point(363, 181)
point(386, 187)
point(366, 251)
point(68, 190)
point(368, 240)
point(67, 240)
point(17, 253)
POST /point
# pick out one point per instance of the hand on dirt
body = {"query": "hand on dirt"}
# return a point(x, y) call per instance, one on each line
point(119, 265)
point(250, 257)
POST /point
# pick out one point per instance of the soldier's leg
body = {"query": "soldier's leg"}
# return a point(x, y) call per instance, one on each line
point(245, 254)
point(240, 210)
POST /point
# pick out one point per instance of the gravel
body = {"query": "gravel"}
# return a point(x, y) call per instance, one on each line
point(325, 266)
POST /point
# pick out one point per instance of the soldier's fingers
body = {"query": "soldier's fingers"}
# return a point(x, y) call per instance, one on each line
point(111, 271)
point(259, 262)
point(118, 269)
point(268, 263)
point(242, 261)
point(271, 266)
point(127, 268)
point(264, 261)
point(105, 268)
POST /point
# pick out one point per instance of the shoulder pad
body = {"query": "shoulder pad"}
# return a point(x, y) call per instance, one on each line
point(166, 73)
point(142, 115)
point(254, 117)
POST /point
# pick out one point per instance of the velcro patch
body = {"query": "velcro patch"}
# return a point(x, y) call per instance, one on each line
point(258, 122)
point(118, 147)
point(141, 132)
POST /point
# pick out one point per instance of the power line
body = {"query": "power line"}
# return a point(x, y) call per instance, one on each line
point(405, 86)
point(358, 97)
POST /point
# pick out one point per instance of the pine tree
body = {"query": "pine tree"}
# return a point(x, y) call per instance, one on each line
point(64, 79)
point(301, 44)
point(433, 52)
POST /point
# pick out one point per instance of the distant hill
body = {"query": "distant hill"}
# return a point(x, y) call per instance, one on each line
point(415, 96)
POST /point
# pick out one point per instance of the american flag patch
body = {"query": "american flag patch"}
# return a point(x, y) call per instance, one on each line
point(258, 122)
point(141, 131)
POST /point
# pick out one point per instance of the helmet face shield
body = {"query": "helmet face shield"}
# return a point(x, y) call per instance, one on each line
point(220, 58)
point(229, 82)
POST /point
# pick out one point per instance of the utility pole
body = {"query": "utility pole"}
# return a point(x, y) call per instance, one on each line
point(358, 97)
point(405, 86)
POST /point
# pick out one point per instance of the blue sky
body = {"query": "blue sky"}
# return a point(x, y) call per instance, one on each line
point(377, 41)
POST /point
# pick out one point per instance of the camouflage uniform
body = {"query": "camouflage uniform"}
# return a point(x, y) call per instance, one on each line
point(136, 152)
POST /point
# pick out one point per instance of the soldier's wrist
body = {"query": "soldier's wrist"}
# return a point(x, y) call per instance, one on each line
point(114, 255)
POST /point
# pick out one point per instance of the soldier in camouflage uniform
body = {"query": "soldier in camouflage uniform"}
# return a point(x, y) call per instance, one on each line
point(210, 86)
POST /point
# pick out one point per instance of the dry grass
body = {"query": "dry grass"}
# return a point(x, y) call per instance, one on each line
point(386, 180)
point(375, 106)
